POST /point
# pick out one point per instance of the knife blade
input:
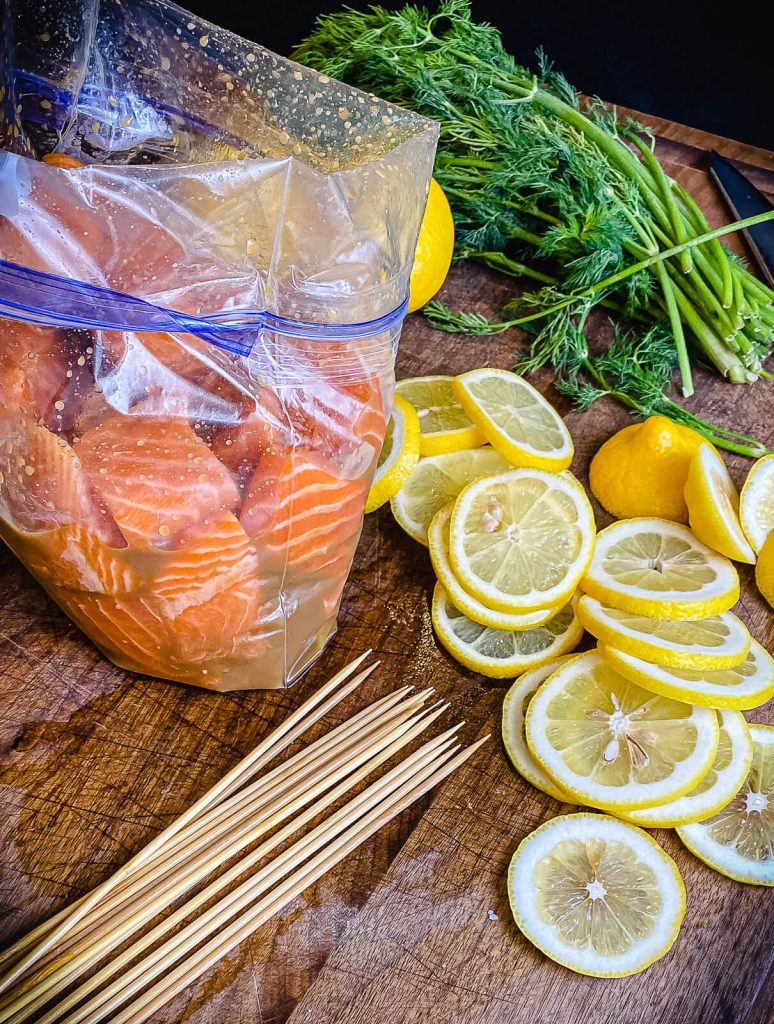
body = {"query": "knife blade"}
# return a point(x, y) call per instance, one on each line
point(746, 200)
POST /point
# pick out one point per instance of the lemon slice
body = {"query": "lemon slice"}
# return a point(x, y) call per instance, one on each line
point(747, 685)
point(444, 424)
point(713, 506)
point(595, 894)
point(514, 740)
point(719, 785)
point(399, 455)
point(522, 540)
point(435, 481)
point(612, 744)
point(738, 841)
point(499, 653)
point(438, 542)
point(658, 568)
point(756, 502)
point(515, 418)
point(721, 641)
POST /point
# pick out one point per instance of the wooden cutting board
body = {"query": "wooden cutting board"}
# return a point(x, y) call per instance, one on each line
point(415, 926)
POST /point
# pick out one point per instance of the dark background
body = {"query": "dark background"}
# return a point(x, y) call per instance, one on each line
point(709, 65)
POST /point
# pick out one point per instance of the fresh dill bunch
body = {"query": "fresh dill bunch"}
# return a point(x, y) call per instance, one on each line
point(547, 187)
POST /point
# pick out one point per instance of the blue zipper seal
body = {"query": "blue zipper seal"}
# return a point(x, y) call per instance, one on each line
point(64, 302)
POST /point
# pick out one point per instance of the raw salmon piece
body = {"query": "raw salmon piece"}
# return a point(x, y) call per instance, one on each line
point(335, 424)
point(210, 631)
point(75, 558)
point(219, 557)
point(260, 508)
point(156, 477)
point(261, 429)
point(44, 372)
point(317, 514)
point(139, 358)
point(43, 484)
point(127, 628)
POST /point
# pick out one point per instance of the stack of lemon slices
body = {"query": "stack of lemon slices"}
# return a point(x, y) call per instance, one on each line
point(648, 725)
point(510, 530)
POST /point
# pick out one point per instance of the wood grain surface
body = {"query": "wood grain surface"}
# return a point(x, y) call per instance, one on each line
point(415, 926)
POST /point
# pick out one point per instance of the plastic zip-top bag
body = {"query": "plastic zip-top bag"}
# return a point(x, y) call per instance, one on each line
point(199, 320)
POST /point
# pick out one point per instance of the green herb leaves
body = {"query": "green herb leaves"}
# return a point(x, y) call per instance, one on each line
point(570, 199)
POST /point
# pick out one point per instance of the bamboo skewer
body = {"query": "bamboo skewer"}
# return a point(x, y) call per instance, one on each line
point(313, 709)
point(289, 768)
point(218, 828)
point(36, 990)
point(182, 846)
point(230, 937)
point(141, 973)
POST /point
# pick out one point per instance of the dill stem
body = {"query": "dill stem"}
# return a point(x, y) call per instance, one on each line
point(663, 183)
point(683, 362)
point(713, 346)
point(701, 224)
point(720, 437)
point(621, 275)
point(703, 298)
point(499, 261)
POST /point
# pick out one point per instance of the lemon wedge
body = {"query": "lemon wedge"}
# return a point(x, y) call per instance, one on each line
point(720, 641)
point(612, 744)
point(444, 424)
point(713, 506)
point(399, 455)
point(595, 894)
point(438, 542)
point(716, 789)
point(434, 481)
point(514, 706)
point(515, 418)
point(499, 653)
point(764, 570)
point(738, 841)
point(658, 568)
point(756, 502)
point(521, 541)
point(747, 685)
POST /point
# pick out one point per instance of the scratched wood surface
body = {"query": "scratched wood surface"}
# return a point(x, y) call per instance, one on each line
point(415, 925)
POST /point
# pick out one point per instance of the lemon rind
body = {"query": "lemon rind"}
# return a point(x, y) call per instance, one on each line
point(493, 668)
point(664, 653)
point(512, 721)
point(729, 697)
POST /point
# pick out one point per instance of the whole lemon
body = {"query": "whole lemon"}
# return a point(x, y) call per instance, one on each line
point(435, 246)
point(642, 470)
